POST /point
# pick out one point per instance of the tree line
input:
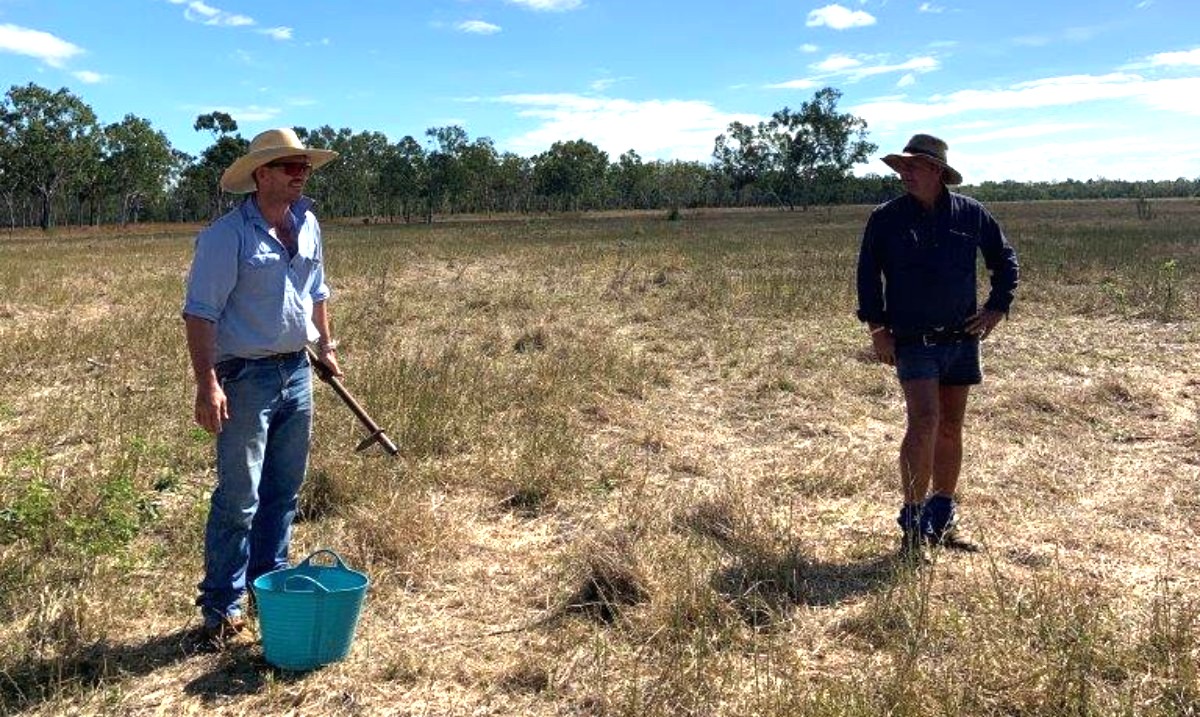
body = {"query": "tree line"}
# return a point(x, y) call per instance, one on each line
point(60, 165)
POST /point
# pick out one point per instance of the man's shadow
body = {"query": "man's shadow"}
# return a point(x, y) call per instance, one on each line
point(765, 589)
point(238, 670)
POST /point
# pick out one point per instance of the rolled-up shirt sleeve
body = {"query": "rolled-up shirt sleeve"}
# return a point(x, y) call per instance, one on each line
point(213, 274)
point(320, 290)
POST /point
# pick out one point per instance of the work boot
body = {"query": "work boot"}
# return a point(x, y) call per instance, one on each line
point(215, 635)
point(912, 541)
point(939, 524)
point(938, 516)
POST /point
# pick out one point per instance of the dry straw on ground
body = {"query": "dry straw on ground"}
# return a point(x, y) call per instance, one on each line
point(647, 469)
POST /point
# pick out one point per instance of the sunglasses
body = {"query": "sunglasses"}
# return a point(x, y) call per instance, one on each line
point(292, 169)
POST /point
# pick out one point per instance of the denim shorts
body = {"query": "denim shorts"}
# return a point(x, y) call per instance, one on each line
point(952, 364)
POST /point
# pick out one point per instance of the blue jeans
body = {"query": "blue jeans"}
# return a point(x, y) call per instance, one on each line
point(262, 455)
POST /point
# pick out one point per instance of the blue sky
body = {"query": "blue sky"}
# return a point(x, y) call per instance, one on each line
point(1022, 90)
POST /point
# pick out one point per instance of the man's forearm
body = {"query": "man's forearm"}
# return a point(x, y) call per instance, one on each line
point(320, 317)
point(202, 348)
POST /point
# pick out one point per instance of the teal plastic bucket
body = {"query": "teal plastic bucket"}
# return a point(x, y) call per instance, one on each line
point(307, 614)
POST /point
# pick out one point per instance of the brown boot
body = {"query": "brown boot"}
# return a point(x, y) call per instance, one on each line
point(218, 635)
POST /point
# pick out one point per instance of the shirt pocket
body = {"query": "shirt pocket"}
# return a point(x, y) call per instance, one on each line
point(262, 276)
point(963, 247)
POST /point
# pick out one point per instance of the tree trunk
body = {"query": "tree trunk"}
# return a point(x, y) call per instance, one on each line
point(46, 209)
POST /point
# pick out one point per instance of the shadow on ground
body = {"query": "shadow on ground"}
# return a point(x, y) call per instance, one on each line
point(237, 670)
point(765, 589)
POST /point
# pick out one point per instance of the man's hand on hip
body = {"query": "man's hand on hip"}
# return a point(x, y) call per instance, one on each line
point(982, 323)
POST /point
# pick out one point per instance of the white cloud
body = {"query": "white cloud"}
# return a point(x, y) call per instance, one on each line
point(1133, 158)
point(837, 17)
point(907, 80)
point(1056, 151)
point(604, 83)
point(1176, 59)
point(930, 7)
point(854, 69)
point(249, 113)
point(549, 5)
point(808, 48)
point(801, 84)
point(836, 63)
point(657, 129)
point(199, 11)
point(1025, 131)
point(477, 27)
point(52, 50)
point(916, 64)
point(88, 77)
point(279, 33)
point(1176, 95)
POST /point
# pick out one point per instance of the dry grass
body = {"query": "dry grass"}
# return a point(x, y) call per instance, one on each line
point(647, 469)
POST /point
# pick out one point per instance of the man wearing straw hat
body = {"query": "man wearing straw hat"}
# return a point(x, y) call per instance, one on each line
point(917, 294)
point(256, 295)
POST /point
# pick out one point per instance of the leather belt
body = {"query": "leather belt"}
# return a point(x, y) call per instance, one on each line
point(937, 337)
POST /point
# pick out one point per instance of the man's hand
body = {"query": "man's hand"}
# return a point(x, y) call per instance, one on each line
point(328, 357)
point(885, 345)
point(982, 323)
point(212, 410)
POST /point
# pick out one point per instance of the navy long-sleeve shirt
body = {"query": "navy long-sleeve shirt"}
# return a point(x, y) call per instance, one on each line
point(916, 268)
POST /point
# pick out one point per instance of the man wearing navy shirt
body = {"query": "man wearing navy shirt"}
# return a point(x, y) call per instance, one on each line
point(256, 295)
point(917, 294)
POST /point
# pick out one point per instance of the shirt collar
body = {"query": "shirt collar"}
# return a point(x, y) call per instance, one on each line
point(298, 210)
point(939, 205)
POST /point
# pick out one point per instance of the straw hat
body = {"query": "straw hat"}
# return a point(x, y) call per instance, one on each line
point(929, 147)
point(267, 147)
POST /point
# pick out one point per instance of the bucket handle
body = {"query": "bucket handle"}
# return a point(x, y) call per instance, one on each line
point(337, 559)
point(304, 578)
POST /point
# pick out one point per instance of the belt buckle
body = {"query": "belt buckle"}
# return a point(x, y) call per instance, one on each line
point(930, 338)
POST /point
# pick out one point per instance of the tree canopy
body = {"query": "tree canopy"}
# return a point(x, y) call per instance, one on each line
point(58, 163)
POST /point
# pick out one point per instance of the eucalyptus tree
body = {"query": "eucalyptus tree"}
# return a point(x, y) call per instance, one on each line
point(800, 157)
point(571, 174)
point(326, 185)
point(513, 183)
point(10, 185)
point(479, 162)
point(682, 184)
point(632, 181)
point(50, 137)
point(743, 155)
point(138, 161)
point(402, 180)
point(350, 186)
point(445, 176)
point(202, 180)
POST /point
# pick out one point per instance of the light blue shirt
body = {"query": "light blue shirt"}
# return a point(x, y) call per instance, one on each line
point(243, 281)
